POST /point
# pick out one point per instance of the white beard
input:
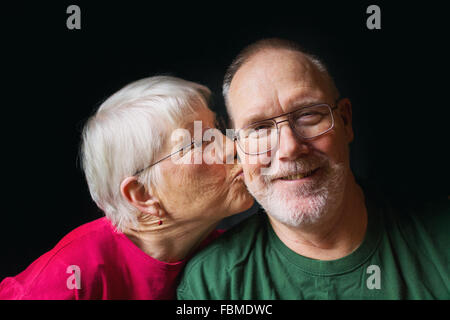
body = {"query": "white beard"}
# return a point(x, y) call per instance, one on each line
point(308, 203)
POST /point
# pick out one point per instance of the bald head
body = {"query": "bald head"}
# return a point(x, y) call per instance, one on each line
point(265, 55)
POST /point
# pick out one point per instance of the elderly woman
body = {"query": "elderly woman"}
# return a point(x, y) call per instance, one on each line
point(160, 204)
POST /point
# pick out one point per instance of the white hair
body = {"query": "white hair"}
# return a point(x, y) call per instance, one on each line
point(127, 133)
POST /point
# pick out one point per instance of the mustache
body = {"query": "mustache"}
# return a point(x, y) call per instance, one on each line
point(303, 165)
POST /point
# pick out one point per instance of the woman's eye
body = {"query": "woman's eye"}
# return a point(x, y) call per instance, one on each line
point(197, 144)
point(190, 148)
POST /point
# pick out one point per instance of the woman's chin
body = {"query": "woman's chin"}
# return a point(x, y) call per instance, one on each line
point(250, 203)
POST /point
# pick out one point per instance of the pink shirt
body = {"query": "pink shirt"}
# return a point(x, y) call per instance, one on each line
point(95, 261)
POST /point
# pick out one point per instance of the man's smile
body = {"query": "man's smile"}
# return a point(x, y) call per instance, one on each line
point(299, 176)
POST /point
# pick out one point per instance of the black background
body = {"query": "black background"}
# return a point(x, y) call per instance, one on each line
point(396, 78)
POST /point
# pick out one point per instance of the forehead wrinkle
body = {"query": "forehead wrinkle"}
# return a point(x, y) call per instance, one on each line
point(271, 74)
point(256, 108)
point(306, 95)
point(309, 89)
point(264, 111)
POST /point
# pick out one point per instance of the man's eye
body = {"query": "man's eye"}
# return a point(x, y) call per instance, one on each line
point(309, 118)
point(310, 113)
point(262, 127)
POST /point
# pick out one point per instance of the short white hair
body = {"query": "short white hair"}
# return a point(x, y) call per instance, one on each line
point(266, 44)
point(127, 133)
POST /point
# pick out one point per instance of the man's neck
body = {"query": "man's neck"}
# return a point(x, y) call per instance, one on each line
point(338, 234)
point(172, 241)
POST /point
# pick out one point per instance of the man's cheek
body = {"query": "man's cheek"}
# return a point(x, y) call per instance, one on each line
point(250, 173)
point(248, 177)
point(254, 178)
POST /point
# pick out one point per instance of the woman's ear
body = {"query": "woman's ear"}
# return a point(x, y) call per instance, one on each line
point(139, 197)
point(345, 110)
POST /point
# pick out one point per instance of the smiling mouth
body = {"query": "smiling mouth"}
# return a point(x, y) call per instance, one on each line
point(299, 176)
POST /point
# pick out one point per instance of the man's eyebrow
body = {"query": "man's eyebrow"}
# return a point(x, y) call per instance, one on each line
point(254, 118)
point(303, 102)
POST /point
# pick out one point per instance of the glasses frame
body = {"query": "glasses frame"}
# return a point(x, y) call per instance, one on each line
point(193, 142)
point(291, 125)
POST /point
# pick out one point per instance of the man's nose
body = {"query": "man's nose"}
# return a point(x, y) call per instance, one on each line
point(290, 145)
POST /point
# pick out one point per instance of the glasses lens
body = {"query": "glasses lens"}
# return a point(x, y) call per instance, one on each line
point(312, 121)
point(259, 137)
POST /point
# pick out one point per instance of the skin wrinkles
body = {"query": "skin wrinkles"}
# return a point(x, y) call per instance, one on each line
point(327, 212)
point(208, 181)
point(191, 200)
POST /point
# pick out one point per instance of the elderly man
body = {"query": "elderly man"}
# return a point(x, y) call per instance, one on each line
point(323, 237)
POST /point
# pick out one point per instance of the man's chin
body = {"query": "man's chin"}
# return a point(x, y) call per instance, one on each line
point(304, 202)
point(296, 211)
point(296, 194)
point(295, 219)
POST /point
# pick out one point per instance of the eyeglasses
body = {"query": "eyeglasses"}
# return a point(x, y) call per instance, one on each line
point(307, 122)
point(194, 144)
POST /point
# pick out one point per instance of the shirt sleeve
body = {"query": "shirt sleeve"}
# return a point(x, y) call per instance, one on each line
point(184, 292)
point(47, 278)
point(12, 289)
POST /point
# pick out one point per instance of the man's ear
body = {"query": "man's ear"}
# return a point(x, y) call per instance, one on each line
point(139, 197)
point(345, 110)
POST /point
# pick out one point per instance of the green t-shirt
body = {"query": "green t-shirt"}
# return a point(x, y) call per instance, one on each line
point(404, 255)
